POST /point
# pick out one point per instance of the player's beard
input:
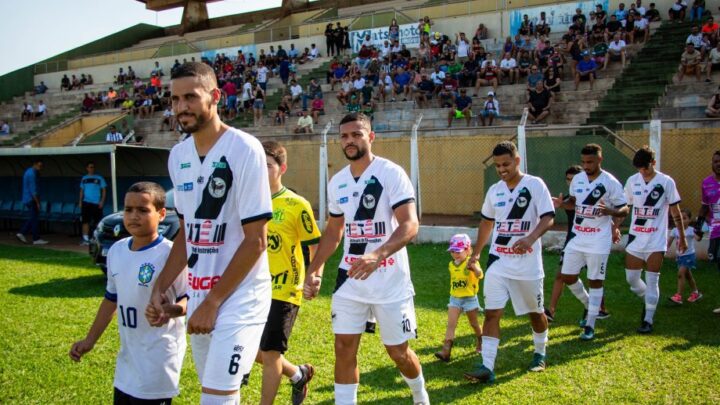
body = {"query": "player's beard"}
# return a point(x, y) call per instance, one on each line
point(361, 152)
point(200, 121)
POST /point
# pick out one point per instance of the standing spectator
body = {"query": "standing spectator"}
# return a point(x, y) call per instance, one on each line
point(258, 105)
point(330, 40)
point(394, 31)
point(230, 91)
point(481, 32)
point(304, 124)
point(585, 71)
point(339, 38)
point(696, 12)
point(313, 89)
point(284, 70)
point(463, 47)
point(539, 103)
point(65, 83)
point(616, 50)
point(262, 75)
point(31, 199)
point(689, 63)
point(113, 136)
point(4, 128)
point(461, 109)
point(92, 197)
point(713, 62)
point(491, 109)
point(677, 10)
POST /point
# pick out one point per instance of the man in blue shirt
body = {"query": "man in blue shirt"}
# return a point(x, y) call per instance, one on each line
point(402, 79)
point(32, 202)
point(461, 109)
point(585, 70)
point(92, 198)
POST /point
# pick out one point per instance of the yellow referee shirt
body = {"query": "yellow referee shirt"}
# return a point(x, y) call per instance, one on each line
point(463, 281)
point(292, 224)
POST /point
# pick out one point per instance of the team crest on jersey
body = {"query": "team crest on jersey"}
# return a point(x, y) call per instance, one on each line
point(274, 242)
point(522, 202)
point(217, 187)
point(368, 201)
point(117, 229)
point(654, 195)
point(146, 273)
point(306, 221)
point(596, 193)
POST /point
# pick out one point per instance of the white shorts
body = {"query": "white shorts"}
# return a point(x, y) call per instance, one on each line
point(225, 355)
point(574, 261)
point(526, 295)
point(396, 320)
point(644, 256)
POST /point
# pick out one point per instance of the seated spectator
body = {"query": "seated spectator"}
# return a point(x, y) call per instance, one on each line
point(490, 110)
point(543, 57)
point(509, 46)
point(579, 21)
point(539, 103)
point(652, 14)
point(630, 28)
point(296, 93)
point(317, 108)
point(677, 10)
point(621, 14)
point(88, 104)
point(313, 89)
point(468, 73)
point(157, 70)
point(642, 29)
point(130, 74)
point(424, 92)
point(697, 9)
point(534, 77)
point(146, 107)
point(524, 63)
point(713, 62)
point(526, 27)
point(597, 32)
point(304, 124)
point(599, 53)
point(114, 136)
point(64, 83)
point(585, 71)
point(27, 112)
point(90, 79)
point(345, 90)
point(292, 53)
point(75, 83)
point(121, 77)
point(4, 128)
point(437, 77)
point(127, 106)
point(616, 51)
point(137, 84)
point(385, 85)
point(168, 119)
point(613, 28)
point(401, 84)
point(338, 75)
point(552, 80)
point(367, 95)
point(155, 81)
point(111, 95)
point(41, 110)
point(689, 63)
point(487, 76)
point(41, 88)
point(462, 108)
point(353, 105)
point(542, 27)
point(283, 110)
point(713, 107)
point(601, 15)
point(508, 68)
point(556, 62)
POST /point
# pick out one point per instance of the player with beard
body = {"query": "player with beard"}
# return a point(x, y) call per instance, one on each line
point(372, 203)
point(710, 212)
point(223, 201)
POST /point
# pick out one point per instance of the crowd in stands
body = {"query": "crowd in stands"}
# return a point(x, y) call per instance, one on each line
point(28, 112)
point(73, 82)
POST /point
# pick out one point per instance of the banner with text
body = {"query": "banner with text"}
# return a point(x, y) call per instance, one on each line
point(231, 52)
point(558, 16)
point(409, 36)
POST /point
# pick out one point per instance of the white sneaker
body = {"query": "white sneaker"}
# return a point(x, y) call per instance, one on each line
point(21, 237)
point(40, 242)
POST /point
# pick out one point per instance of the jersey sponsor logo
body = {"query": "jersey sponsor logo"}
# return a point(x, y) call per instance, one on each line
point(219, 165)
point(514, 226)
point(500, 204)
point(205, 236)
point(307, 222)
point(459, 284)
point(508, 250)
point(646, 212)
point(145, 273)
point(586, 229)
point(343, 200)
point(342, 186)
point(367, 232)
point(383, 263)
point(184, 187)
point(202, 283)
point(278, 216)
point(274, 241)
point(185, 165)
point(584, 211)
point(642, 229)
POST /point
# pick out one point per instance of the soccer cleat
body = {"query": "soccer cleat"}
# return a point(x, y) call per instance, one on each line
point(716, 311)
point(21, 237)
point(480, 374)
point(370, 327)
point(40, 242)
point(587, 334)
point(603, 315)
point(300, 388)
point(538, 363)
point(677, 298)
point(645, 328)
point(583, 320)
point(695, 296)
point(550, 317)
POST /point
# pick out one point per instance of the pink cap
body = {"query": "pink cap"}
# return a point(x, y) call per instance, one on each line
point(459, 242)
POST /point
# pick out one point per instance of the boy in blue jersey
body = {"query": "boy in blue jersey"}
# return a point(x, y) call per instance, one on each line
point(91, 200)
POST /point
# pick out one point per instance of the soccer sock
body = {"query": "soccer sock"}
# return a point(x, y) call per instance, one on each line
point(596, 296)
point(346, 394)
point(297, 376)
point(578, 290)
point(540, 340)
point(652, 295)
point(489, 351)
point(210, 399)
point(417, 386)
point(636, 284)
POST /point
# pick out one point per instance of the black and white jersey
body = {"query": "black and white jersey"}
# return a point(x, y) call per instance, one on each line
point(591, 232)
point(516, 213)
point(367, 205)
point(150, 358)
point(216, 196)
point(650, 202)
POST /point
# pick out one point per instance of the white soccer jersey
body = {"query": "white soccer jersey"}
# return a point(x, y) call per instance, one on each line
point(592, 233)
point(215, 197)
point(689, 239)
point(650, 205)
point(516, 214)
point(367, 205)
point(150, 358)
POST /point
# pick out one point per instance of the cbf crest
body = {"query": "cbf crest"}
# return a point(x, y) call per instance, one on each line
point(145, 273)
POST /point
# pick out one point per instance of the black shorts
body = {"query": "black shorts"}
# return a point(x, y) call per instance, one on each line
point(278, 326)
point(90, 213)
point(121, 398)
point(714, 251)
point(585, 78)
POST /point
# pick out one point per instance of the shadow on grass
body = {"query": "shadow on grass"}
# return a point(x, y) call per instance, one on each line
point(80, 287)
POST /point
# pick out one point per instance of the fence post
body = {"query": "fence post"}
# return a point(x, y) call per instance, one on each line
point(522, 148)
point(656, 141)
point(415, 164)
point(323, 178)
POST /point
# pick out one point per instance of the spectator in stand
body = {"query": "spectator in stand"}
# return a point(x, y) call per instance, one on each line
point(168, 119)
point(385, 85)
point(490, 110)
point(524, 63)
point(4, 127)
point(121, 77)
point(481, 32)
point(468, 73)
point(394, 31)
point(616, 51)
point(130, 76)
point(508, 68)
point(65, 83)
point(27, 113)
point(401, 85)
point(427, 24)
point(509, 45)
point(697, 9)
point(262, 75)
point(463, 47)
point(542, 58)
point(296, 93)
point(338, 75)
point(313, 89)
point(585, 71)
point(612, 28)
point(304, 124)
point(317, 108)
point(75, 83)
point(526, 27)
point(363, 57)
point(258, 105)
point(339, 37)
point(621, 14)
point(462, 108)
point(31, 199)
point(552, 81)
point(41, 88)
point(597, 30)
point(330, 40)
point(230, 91)
point(638, 7)
point(146, 108)
point(487, 76)
point(542, 27)
point(113, 136)
point(88, 104)
point(283, 111)
point(711, 28)
point(642, 28)
point(346, 89)
point(367, 95)
point(652, 14)
point(689, 63)
point(534, 77)
point(696, 39)
point(579, 20)
point(677, 10)
point(630, 28)
point(601, 15)
point(599, 53)
point(156, 80)
point(284, 70)
point(424, 92)
point(314, 52)
point(157, 70)
point(539, 103)
point(41, 110)
point(353, 106)
point(713, 107)
point(109, 101)
point(713, 62)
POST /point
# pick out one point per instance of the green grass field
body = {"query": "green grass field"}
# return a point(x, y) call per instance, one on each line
point(48, 300)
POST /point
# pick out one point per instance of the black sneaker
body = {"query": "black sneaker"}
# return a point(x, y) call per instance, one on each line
point(645, 328)
point(550, 317)
point(603, 315)
point(300, 388)
point(370, 327)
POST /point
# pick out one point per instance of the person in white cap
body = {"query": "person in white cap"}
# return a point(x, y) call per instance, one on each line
point(491, 109)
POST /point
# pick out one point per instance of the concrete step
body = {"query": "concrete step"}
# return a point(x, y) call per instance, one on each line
point(678, 112)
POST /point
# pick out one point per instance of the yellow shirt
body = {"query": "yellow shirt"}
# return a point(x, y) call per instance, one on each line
point(292, 223)
point(463, 282)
